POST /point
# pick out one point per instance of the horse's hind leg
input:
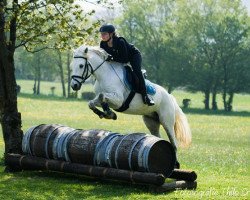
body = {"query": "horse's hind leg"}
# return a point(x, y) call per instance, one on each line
point(153, 124)
point(168, 124)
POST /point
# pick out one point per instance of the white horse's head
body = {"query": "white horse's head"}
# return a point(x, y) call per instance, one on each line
point(85, 62)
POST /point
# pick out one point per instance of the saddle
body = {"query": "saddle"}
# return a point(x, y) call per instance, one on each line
point(133, 82)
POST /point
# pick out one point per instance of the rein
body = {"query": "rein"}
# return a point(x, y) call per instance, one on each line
point(87, 68)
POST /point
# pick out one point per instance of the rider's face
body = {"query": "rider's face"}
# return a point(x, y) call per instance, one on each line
point(105, 36)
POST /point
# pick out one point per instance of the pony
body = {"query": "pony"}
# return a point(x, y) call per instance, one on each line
point(111, 93)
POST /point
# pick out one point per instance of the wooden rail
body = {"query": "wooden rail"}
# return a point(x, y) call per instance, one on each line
point(185, 178)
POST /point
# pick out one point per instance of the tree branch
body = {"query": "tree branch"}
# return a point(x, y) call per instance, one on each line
point(13, 28)
point(36, 50)
point(62, 16)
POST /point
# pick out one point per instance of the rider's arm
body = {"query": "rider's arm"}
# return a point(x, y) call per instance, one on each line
point(122, 54)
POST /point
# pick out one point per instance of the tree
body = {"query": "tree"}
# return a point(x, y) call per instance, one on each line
point(32, 24)
point(37, 66)
point(232, 34)
point(219, 31)
point(194, 44)
point(68, 73)
point(147, 24)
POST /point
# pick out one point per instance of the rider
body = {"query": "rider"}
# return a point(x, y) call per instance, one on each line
point(122, 51)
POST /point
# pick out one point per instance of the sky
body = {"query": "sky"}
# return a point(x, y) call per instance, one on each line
point(90, 6)
point(247, 4)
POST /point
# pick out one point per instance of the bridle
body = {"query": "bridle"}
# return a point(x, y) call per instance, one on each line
point(88, 71)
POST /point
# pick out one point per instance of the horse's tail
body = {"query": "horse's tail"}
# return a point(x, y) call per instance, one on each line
point(181, 126)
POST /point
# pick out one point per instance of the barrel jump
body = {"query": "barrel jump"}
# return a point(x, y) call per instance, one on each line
point(135, 157)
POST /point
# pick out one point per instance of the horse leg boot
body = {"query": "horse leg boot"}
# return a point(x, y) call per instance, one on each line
point(109, 114)
point(95, 110)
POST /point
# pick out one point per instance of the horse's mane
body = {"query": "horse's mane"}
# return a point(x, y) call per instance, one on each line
point(99, 51)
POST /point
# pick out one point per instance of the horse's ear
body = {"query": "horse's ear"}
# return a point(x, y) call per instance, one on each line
point(86, 50)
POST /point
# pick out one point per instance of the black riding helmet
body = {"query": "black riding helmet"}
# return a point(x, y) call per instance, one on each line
point(109, 28)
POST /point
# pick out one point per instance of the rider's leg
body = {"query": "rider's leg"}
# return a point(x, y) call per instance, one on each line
point(136, 65)
point(145, 98)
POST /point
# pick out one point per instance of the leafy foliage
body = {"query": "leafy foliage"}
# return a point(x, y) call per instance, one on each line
point(50, 24)
point(199, 45)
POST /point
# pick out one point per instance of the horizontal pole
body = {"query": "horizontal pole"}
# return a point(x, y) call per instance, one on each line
point(175, 185)
point(181, 174)
point(16, 161)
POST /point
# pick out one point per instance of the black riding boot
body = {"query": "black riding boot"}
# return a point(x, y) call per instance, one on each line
point(145, 98)
point(136, 66)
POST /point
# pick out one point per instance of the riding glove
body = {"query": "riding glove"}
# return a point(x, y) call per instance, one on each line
point(109, 58)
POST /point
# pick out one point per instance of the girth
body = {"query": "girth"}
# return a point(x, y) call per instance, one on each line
point(126, 103)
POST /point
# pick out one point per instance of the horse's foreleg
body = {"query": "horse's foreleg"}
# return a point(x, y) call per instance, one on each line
point(105, 99)
point(95, 110)
point(99, 101)
point(109, 114)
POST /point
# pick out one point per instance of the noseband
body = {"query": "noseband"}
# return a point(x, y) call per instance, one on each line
point(88, 71)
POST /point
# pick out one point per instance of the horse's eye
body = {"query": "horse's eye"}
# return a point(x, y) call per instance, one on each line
point(81, 66)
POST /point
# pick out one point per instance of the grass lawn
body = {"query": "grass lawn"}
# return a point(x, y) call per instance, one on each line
point(219, 153)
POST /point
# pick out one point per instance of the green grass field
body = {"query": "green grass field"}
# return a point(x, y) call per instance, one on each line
point(219, 153)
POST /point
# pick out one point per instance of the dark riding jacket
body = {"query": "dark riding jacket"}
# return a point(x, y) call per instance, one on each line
point(122, 51)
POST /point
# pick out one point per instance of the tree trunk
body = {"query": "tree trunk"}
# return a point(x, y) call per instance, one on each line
point(69, 72)
point(60, 65)
point(10, 118)
point(224, 98)
point(37, 84)
point(230, 102)
point(225, 87)
point(34, 87)
point(214, 103)
point(38, 75)
point(170, 89)
point(206, 100)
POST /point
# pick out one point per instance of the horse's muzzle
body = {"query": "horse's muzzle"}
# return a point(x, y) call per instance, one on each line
point(75, 86)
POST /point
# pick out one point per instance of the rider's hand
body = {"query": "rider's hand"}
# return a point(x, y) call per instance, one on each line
point(109, 58)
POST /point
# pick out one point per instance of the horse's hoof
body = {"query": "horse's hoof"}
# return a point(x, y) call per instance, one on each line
point(114, 117)
point(108, 112)
point(101, 116)
point(101, 97)
point(177, 165)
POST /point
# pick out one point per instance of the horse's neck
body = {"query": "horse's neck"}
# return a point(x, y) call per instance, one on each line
point(109, 72)
point(109, 78)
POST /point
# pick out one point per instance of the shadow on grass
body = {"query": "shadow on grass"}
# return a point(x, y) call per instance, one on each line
point(47, 97)
point(215, 112)
point(70, 186)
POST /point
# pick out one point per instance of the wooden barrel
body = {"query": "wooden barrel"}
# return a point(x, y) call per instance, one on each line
point(47, 141)
point(81, 147)
point(135, 151)
point(103, 150)
point(141, 152)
